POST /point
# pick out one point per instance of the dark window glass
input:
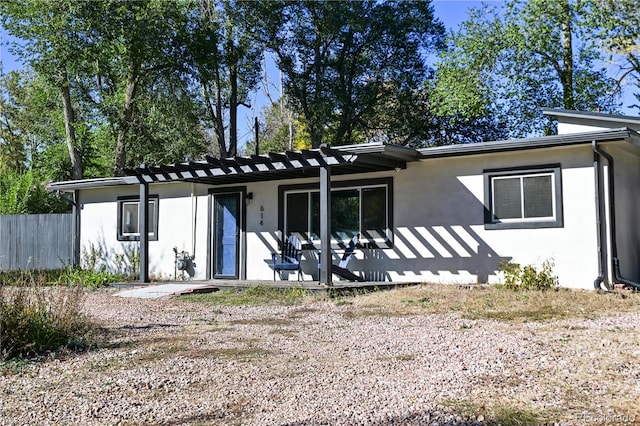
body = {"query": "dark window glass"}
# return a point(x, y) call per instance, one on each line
point(298, 213)
point(353, 211)
point(507, 198)
point(537, 196)
point(345, 214)
point(315, 216)
point(374, 212)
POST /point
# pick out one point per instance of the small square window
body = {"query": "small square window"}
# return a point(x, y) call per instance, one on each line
point(128, 219)
point(530, 198)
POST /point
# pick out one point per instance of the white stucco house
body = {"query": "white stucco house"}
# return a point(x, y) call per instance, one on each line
point(445, 214)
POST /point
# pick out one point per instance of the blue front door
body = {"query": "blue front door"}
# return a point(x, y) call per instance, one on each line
point(226, 235)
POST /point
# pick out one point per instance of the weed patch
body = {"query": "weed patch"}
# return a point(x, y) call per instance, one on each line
point(493, 302)
point(499, 414)
point(253, 296)
point(35, 320)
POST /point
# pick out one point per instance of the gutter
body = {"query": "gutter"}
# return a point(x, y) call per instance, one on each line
point(617, 276)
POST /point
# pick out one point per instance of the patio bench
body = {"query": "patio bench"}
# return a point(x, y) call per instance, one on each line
point(289, 258)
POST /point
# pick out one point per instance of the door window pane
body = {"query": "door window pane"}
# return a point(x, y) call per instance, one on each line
point(226, 235)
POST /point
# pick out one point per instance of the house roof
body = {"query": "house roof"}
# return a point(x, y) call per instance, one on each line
point(351, 159)
point(72, 185)
point(605, 120)
point(531, 143)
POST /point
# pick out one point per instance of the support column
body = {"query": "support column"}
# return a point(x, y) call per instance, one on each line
point(143, 208)
point(75, 225)
point(325, 225)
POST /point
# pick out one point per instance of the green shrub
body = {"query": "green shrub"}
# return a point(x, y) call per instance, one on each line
point(68, 276)
point(35, 320)
point(88, 278)
point(528, 277)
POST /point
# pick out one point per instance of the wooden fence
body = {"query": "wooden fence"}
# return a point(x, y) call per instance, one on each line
point(36, 241)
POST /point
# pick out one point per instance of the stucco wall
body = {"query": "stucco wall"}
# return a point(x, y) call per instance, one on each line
point(439, 233)
point(99, 227)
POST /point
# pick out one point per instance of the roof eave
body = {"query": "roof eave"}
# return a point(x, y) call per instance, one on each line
point(531, 143)
point(584, 115)
point(73, 185)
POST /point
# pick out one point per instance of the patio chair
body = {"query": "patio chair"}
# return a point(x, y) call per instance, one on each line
point(289, 259)
point(341, 268)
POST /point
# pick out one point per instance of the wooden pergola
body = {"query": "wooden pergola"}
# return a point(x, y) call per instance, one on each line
point(321, 163)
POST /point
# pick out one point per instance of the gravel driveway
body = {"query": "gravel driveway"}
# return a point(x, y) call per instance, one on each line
point(171, 362)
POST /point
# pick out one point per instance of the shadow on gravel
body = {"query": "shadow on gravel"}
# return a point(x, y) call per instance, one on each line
point(147, 327)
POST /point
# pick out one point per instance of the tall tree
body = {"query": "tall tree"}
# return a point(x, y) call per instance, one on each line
point(131, 46)
point(615, 24)
point(31, 126)
point(224, 62)
point(511, 65)
point(341, 59)
point(52, 45)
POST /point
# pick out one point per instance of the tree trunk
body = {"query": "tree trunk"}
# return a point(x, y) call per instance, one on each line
point(213, 116)
point(567, 57)
point(70, 132)
point(127, 115)
point(233, 111)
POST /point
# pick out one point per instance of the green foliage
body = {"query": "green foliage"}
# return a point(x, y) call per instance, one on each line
point(528, 277)
point(87, 278)
point(35, 321)
point(340, 60)
point(615, 24)
point(22, 193)
point(510, 63)
point(253, 296)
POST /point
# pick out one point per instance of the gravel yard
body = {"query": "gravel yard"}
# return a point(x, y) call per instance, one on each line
point(173, 362)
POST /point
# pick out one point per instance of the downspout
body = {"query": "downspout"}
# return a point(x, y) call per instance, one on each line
point(194, 212)
point(617, 276)
point(601, 255)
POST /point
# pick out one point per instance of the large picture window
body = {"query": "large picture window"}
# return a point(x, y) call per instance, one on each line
point(129, 220)
point(357, 208)
point(530, 198)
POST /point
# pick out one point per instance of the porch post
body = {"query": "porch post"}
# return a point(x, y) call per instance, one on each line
point(325, 225)
point(143, 208)
point(75, 229)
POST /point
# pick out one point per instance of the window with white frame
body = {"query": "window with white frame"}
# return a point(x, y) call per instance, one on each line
point(525, 198)
point(129, 220)
point(357, 208)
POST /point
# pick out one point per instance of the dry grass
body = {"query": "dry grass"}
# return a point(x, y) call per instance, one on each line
point(499, 414)
point(495, 303)
point(36, 320)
